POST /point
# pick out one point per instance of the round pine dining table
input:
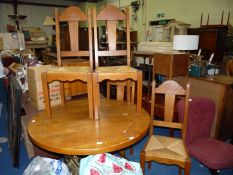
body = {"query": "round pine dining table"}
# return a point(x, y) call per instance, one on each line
point(70, 131)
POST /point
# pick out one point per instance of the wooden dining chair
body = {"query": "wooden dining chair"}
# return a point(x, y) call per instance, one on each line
point(164, 149)
point(111, 15)
point(70, 70)
point(70, 43)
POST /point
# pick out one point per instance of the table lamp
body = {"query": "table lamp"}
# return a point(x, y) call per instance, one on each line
point(48, 21)
point(185, 42)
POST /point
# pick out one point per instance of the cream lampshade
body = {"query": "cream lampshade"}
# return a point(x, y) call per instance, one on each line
point(48, 21)
point(185, 42)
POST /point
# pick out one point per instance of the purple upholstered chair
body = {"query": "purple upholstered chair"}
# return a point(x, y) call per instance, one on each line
point(214, 154)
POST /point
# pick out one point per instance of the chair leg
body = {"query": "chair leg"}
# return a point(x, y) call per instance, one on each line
point(142, 162)
point(62, 92)
point(122, 153)
point(131, 150)
point(213, 172)
point(108, 89)
point(139, 92)
point(46, 94)
point(96, 99)
point(180, 171)
point(90, 96)
point(187, 167)
point(149, 165)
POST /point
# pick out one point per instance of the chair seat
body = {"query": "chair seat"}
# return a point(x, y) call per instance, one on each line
point(212, 153)
point(166, 147)
point(116, 69)
point(70, 70)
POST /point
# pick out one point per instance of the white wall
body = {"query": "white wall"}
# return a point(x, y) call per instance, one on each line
point(188, 11)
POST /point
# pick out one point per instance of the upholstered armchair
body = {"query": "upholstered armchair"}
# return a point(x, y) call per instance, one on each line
point(212, 153)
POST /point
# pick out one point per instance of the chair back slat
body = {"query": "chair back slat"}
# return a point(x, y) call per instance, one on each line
point(169, 107)
point(170, 87)
point(171, 90)
point(166, 124)
point(72, 13)
point(111, 28)
point(111, 13)
point(73, 30)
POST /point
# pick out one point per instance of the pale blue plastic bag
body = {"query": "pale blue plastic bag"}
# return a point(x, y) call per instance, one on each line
point(46, 166)
point(106, 164)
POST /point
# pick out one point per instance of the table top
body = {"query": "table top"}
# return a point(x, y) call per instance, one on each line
point(219, 79)
point(150, 54)
point(72, 132)
point(143, 53)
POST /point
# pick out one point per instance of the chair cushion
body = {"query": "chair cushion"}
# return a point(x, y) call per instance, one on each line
point(212, 153)
point(116, 69)
point(200, 118)
point(166, 147)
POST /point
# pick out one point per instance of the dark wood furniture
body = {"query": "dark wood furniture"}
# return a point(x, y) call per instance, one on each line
point(170, 64)
point(164, 149)
point(219, 88)
point(72, 132)
point(212, 40)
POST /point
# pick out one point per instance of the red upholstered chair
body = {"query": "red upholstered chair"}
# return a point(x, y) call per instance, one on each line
point(212, 153)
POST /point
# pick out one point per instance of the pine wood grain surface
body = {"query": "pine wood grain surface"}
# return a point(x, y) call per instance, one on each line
point(72, 132)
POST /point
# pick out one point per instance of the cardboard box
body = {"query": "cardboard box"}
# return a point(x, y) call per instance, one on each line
point(35, 88)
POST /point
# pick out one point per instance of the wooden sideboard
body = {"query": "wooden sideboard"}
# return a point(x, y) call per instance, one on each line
point(220, 89)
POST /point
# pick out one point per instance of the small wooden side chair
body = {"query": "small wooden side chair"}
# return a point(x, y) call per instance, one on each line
point(111, 15)
point(64, 74)
point(163, 149)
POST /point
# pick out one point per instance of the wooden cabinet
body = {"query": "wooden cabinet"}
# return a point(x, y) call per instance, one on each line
point(212, 40)
point(170, 64)
point(220, 89)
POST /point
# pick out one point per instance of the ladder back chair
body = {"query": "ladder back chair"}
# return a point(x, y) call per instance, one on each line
point(71, 70)
point(164, 149)
point(112, 15)
point(73, 16)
